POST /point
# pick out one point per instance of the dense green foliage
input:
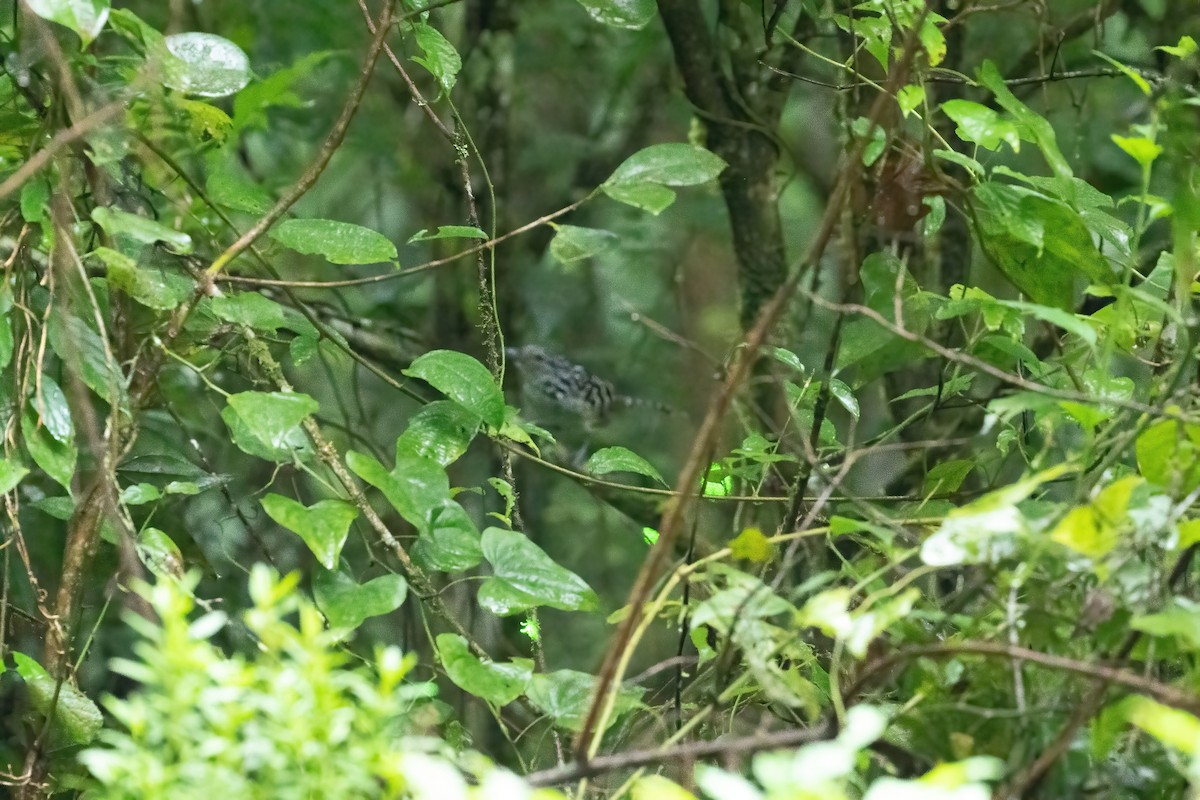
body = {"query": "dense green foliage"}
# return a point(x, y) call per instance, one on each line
point(878, 482)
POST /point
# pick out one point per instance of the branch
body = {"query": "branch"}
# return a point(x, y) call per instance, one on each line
point(687, 752)
point(58, 142)
point(1168, 695)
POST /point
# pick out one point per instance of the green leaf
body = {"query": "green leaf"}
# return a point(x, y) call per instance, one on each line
point(75, 342)
point(267, 424)
point(1139, 148)
point(673, 164)
point(205, 64)
point(1168, 454)
point(229, 185)
point(1172, 727)
point(1072, 323)
point(347, 603)
point(75, 716)
point(250, 309)
point(566, 695)
point(448, 232)
point(449, 541)
point(982, 125)
point(159, 553)
point(140, 229)
point(55, 458)
point(50, 405)
point(275, 90)
point(1034, 127)
point(85, 17)
point(646, 196)
point(629, 14)
point(498, 684)
point(618, 459)
point(524, 577)
point(441, 432)
point(11, 473)
point(464, 380)
point(572, 243)
point(1137, 79)
point(845, 396)
point(323, 526)
point(139, 494)
point(337, 242)
point(441, 59)
point(947, 477)
point(1180, 619)
point(153, 288)
point(420, 492)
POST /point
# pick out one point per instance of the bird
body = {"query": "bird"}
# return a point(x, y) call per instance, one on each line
point(553, 378)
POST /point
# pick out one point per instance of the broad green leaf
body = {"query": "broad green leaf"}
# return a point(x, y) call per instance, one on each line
point(50, 404)
point(630, 14)
point(11, 473)
point(1137, 79)
point(1034, 127)
point(229, 185)
point(153, 288)
point(336, 242)
point(54, 457)
point(1171, 726)
point(448, 232)
point(449, 541)
point(464, 380)
point(75, 717)
point(420, 492)
point(441, 432)
point(347, 603)
point(674, 164)
point(1139, 148)
point(267, 424)
point(35, 199)
point(1181, 619)
point(1185, 47)
point(250, 309)
point(140, 229)
point(85, 17)
point(1168, 454)
point(323, 526)
point(496, 683)
point(250, 105)
point(77, 343)
point(947, 477)
point(981, 125)
point(646, 196)
point(159, 553)
point(619, 459)
point(441, 59)
point(524, 577)
point(566, 695)
point(910, 98)
point(572, 243)
point(205, 64)
point(1072, 323)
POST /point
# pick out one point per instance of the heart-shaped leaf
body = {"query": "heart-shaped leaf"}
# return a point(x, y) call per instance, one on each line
point(464, 380)
point(346, 603)
point(76, 717)
point(524, 577)
point(496, 683)
point(323, 526)
point(267, 424)
point(565, 695)
point(441, 432)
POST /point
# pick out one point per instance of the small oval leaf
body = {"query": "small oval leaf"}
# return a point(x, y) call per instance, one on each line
point(619, 459)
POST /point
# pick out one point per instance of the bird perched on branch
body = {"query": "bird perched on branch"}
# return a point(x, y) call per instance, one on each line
point(550, 377)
